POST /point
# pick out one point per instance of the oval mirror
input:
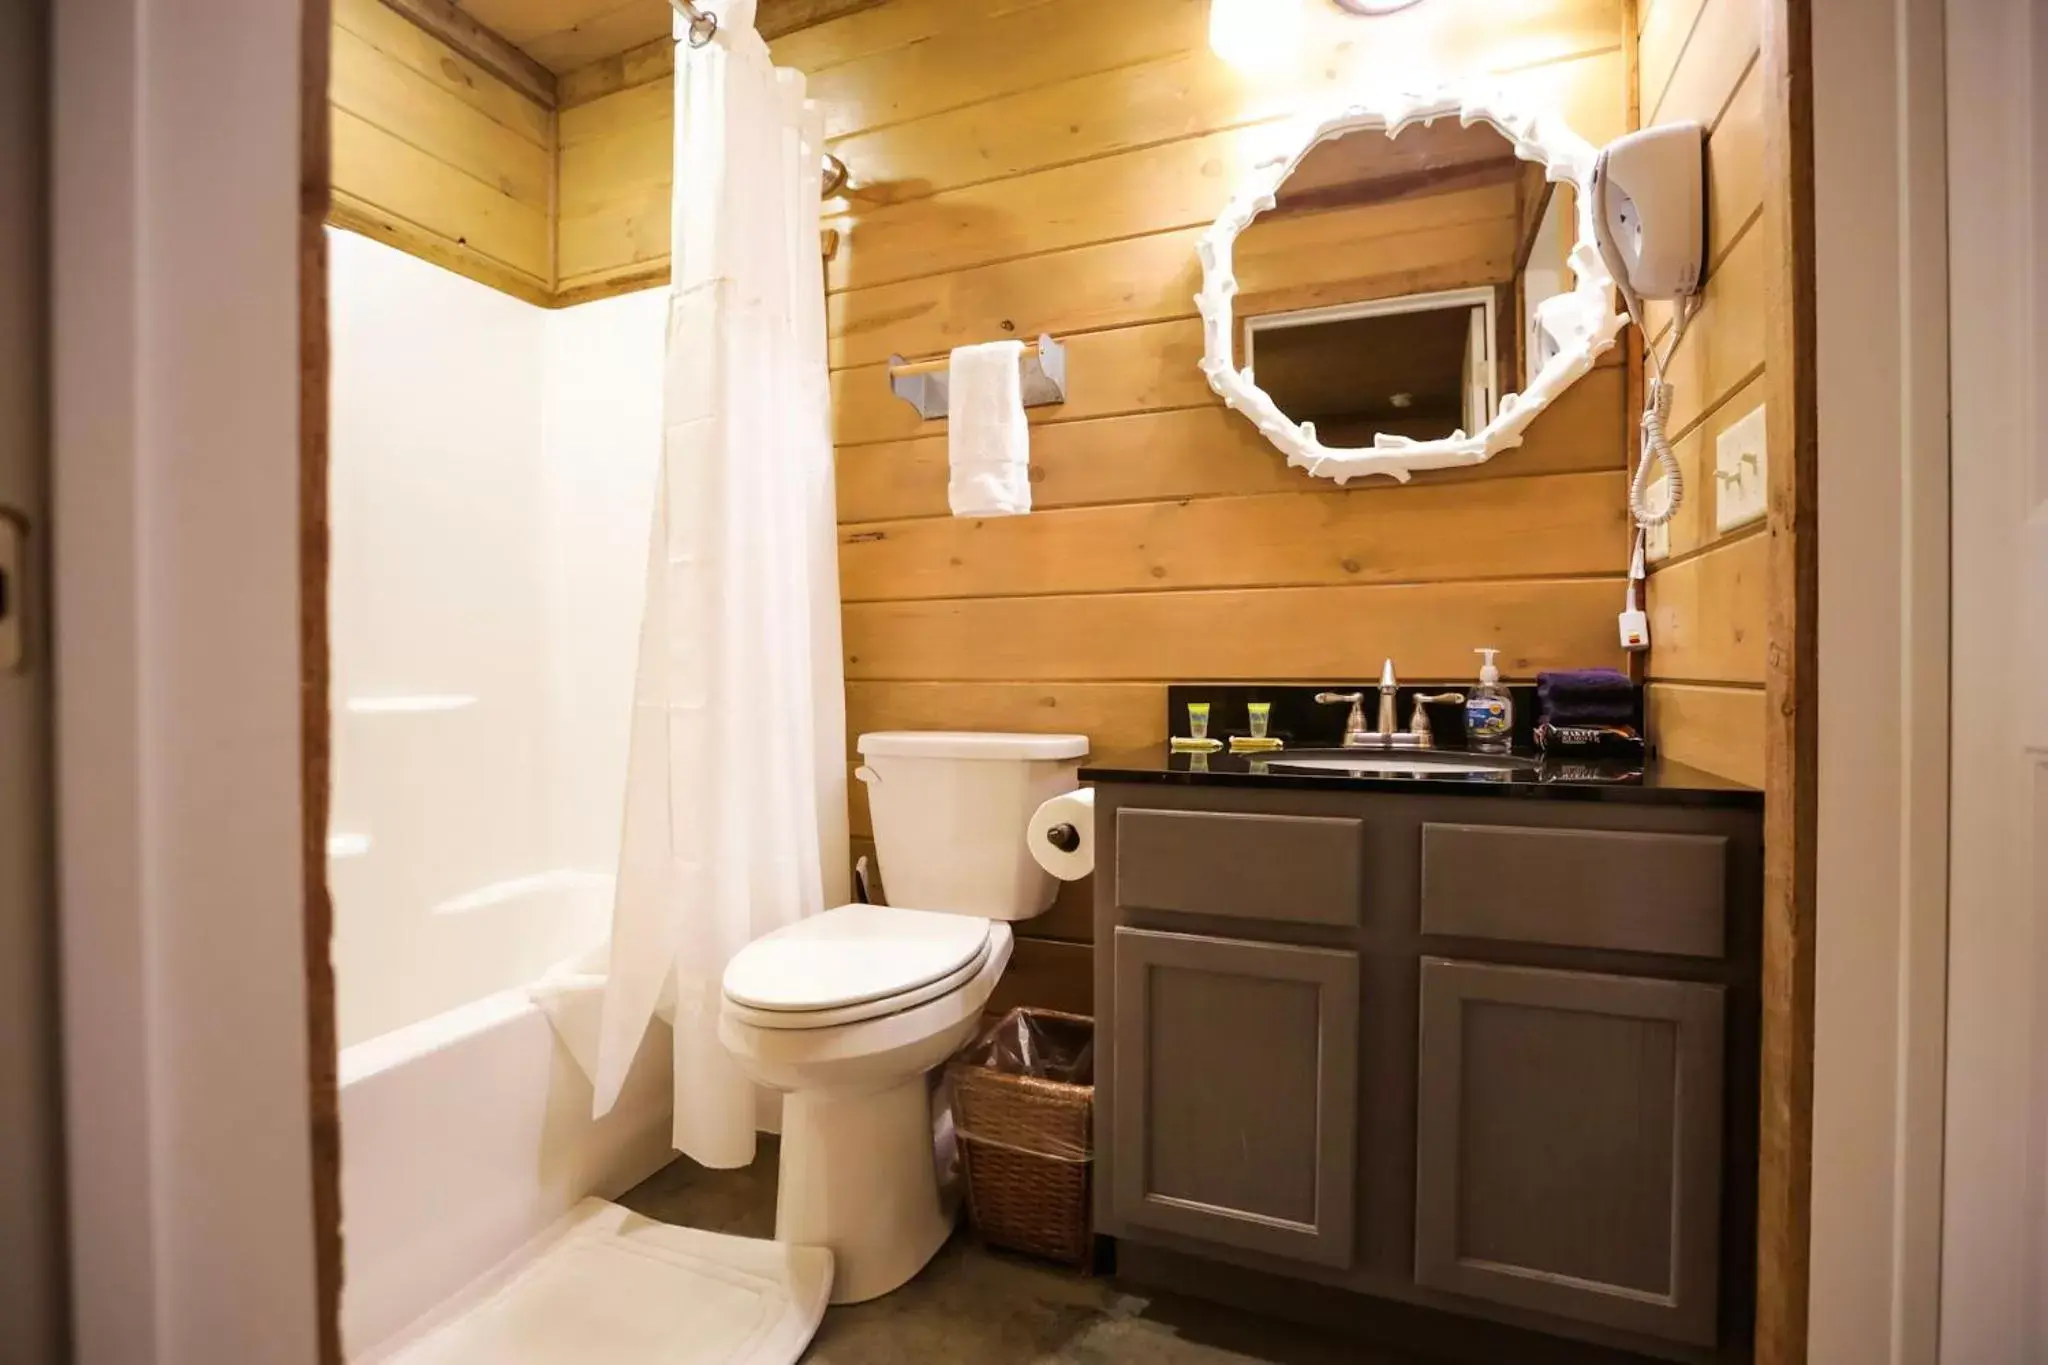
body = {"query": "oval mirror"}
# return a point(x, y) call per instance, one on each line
point(1463, 289)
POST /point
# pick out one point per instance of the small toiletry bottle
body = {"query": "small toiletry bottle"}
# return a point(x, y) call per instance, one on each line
point(1489, 710)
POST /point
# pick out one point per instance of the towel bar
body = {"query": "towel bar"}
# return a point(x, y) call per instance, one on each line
point(922, 384)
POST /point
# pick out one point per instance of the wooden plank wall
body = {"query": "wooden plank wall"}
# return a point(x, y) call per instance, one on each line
point(1708, 602)
point(617, 130)
point(1046, 165)
point(437, 156)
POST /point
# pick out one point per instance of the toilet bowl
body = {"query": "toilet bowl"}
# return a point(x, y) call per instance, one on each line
point(848, 1012)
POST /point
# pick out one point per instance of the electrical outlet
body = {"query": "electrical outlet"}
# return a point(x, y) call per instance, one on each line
point(1741, 467)
point(1657, 539)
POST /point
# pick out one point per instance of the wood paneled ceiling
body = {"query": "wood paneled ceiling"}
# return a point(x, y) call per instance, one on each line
point(564, 34)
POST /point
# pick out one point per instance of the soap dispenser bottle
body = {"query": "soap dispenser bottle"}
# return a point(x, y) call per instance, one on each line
point(1489, 710)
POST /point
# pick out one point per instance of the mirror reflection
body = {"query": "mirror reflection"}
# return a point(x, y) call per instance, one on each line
point(1442, 246)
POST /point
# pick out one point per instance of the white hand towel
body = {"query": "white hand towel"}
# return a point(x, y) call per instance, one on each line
point(988, 441)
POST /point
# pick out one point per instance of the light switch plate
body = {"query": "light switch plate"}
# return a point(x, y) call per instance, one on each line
point(1741, 467)
point(1657, 539)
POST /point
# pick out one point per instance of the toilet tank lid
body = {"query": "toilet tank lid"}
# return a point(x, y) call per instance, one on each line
point(970, 744)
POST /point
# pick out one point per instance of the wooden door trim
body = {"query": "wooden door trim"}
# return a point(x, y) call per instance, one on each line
point(323, 1093)
point(1791, 690)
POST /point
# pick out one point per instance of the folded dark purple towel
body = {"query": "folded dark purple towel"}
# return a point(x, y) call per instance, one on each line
point(1586, 696)
point(1583, 682)
point(1587, 710)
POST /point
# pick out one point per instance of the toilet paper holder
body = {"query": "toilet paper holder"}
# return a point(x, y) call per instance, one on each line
point(1061, 834)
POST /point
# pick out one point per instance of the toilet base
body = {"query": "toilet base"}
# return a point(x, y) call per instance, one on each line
point(858, 1177)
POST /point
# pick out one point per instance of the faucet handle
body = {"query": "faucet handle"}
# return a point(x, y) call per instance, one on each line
point(1418, 720)
point(1354, 724)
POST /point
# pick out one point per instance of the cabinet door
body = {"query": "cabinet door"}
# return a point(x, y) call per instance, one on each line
point(1569, 1145)
point(1236, 1102)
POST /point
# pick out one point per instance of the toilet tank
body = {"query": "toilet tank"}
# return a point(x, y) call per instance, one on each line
point(950, 809)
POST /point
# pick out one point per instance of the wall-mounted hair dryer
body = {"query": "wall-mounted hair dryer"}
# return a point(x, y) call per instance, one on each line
point(1649, 217)
point(1649, 210)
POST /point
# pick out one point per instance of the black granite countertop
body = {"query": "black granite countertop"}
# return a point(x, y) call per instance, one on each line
point(1650, 783)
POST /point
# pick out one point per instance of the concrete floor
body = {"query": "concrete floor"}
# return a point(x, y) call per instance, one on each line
point(980, 1307)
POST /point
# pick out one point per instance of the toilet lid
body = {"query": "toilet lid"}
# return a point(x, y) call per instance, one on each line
point(851, 956)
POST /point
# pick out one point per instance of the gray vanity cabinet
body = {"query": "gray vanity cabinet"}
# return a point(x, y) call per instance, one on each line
point(1569, 1144)
point(1490, 1058)
point(1237, 1111)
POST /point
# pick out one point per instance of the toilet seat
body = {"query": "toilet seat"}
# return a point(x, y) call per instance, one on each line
point(852, 963)
point(854, 1014)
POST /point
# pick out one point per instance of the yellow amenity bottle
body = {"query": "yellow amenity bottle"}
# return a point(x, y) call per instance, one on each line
point(1197, 741)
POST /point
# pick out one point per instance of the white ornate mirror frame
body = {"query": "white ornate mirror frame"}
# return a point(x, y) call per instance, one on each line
point(1585, 320)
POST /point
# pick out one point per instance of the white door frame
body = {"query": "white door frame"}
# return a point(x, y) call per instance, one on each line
point(1881, 394)
point(175, 466)
point(1994, 1262)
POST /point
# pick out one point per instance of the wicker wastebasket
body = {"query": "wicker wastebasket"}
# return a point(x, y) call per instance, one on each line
point(1023, 1097)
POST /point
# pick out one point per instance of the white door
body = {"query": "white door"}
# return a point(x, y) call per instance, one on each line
point(30, 1247)
point(1995, 1189)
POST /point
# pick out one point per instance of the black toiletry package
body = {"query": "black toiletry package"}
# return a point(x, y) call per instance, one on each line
point(1590, 741)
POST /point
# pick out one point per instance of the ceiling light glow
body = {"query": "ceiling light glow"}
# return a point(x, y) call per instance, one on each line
point(1256, 35)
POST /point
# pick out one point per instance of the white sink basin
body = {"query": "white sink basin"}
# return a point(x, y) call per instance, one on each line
point(1412, 763)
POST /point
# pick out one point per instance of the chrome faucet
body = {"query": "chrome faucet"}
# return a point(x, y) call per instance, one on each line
point(1389, 689)
point(1388, 735)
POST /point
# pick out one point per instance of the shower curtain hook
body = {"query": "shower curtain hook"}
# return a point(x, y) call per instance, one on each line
point(703, 24)
point(835, 175)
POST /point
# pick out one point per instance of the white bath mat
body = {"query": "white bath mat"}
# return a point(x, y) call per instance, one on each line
point(606, 1285)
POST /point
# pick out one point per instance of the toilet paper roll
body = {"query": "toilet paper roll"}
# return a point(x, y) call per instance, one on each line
point(1062, 834)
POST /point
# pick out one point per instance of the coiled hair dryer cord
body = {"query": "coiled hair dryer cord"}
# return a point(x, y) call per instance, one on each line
point(1656, 455)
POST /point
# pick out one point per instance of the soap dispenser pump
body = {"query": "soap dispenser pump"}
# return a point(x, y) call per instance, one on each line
point(1489, 710)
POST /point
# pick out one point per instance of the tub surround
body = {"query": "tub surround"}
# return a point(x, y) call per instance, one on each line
point(483, 650)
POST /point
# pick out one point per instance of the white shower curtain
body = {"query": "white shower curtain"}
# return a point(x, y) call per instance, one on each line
point(735, 819)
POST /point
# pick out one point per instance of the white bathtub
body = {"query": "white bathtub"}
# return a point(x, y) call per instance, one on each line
point(465, 1135)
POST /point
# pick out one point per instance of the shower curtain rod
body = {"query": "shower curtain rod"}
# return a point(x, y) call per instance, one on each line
point(703, 28)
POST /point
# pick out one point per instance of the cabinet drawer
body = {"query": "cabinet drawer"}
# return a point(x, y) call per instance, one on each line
point(1644, 893)
point(1292, 868)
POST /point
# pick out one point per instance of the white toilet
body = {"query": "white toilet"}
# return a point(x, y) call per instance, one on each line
point(847, 1012)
